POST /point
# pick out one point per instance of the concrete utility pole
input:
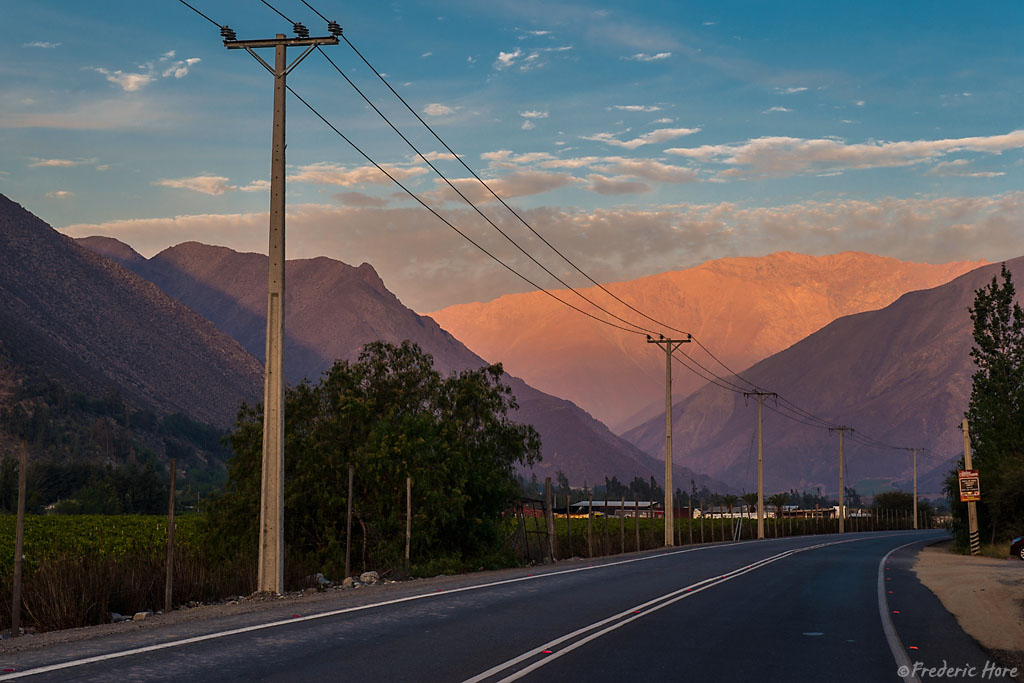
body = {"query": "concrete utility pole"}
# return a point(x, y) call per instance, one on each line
point(760, 448)
point(914, 451)
point(271, 544)
point(842, 491)
point(669, 346)
point(972, 507)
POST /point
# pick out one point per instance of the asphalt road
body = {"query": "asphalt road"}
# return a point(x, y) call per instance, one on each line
point(820, 608)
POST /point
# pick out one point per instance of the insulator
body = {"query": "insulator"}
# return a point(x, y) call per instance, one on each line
point(300, 30)
point(334, 28)
point(227, 33)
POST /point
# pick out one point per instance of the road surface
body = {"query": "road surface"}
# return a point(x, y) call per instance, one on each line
point(830, 607)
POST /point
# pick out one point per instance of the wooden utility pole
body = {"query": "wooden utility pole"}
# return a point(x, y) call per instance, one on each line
point(669, 346)
point(760, 453)
point(549, 518)
point(914, 451)
point(842, 491)
point(590, 524)
point(19, 541)
point(271, 540)
point(169, 582)
point(972, 507)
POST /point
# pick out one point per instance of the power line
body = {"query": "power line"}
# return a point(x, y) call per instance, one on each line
point(277, 11)
point(474, 206)
point(447, 222)
point(201, 14)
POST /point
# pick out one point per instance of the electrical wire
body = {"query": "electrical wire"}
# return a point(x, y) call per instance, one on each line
point(473, 206)
point(277, 11)
point(447, 222)
point(200, 14)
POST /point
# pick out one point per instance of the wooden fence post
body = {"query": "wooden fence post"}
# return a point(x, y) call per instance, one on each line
point(549, 516)
point(169, 583)
point(568, 520)
point(408, 517)
point(348, 524)
point(622, 524)
point(19, 540)
point(590, 525)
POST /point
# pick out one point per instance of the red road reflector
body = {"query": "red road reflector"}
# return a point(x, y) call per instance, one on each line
point(545, 652)
point(913, 647)
point(895, 611)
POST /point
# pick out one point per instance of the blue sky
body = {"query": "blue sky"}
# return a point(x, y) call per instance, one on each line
point(639, 137)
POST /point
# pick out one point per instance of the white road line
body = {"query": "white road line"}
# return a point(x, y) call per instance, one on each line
point(658, 603)
point(899, 653)
point(322, 615)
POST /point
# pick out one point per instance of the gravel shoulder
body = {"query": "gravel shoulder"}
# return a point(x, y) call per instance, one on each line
point(986, 595)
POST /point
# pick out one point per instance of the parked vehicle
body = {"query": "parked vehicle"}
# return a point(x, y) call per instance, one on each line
point(1017, 547)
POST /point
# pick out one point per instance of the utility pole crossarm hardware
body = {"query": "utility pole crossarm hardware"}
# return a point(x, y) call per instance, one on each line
point(271, 538)
point(760, 452)
point(669, 346)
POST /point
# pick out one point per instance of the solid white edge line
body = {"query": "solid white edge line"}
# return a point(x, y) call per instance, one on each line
point(891, 636)
point(258, 627)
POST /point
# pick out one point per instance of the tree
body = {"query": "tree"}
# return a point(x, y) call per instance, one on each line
point(730, 501)
point(778, 501)
point(751, 500)
point(996, 409)
point(391, 416)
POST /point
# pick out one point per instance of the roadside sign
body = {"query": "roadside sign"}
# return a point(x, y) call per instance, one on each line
point(970, 486)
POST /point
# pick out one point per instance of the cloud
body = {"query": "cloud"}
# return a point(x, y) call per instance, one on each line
point(438, 109)
point(42, 43)
point(135, 81)
point(206, 184)
point(256, 186)
point(610, 244)
point(615, 186)
point(648, 169)
point(528, 125)
point(360, 200)
point(180, 69)
point(506, 59)
point(129, 82)
point(59, 163)
point(786, 156)
point(428, 53)
point(958, 168)
point(664, 120)
point(534, 114)
point(790, 91)
point(60, 194)
point(516, 184)
point(771, 109)
point(636, 107)
point(644, 57)
point(326, 173)
point(655, 136)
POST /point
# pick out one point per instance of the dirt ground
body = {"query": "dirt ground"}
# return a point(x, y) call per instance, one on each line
point(985, 595)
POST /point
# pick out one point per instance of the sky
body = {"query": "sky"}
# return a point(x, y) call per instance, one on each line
point(636, 137)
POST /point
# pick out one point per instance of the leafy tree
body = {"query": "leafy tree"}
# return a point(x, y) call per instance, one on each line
point(751, 500)
point(996, 411)
point(390, 415)
point(730, 501)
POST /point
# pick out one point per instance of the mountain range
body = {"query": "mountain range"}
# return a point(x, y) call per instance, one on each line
point(746, 309)
point(900, 375)
point(332, 309)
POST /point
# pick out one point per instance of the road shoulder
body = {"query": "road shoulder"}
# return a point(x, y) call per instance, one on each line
point(985, 595)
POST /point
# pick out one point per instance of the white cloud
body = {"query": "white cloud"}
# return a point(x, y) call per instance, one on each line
point(506, 59)
point(790, 91)
point(648, 169)
point(60, 194)
point(644, 57)
point(438, 109)
point(528, 125)
point(180, 69)
point(784, 156)
point(664, 120)
point(426, 54)
point(325, 173)
point(516, 184)
point(46, 45)
point(615, 186)
point(206, 184)
point(653, 137)
point(771, 109)
point(129, 82)
point(256, 186)
point(959, 168)
point(59, 163)
point(534, 114)
point(860, 103)
point(636, 107)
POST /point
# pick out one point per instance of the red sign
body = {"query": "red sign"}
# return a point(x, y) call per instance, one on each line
point(970, 486)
